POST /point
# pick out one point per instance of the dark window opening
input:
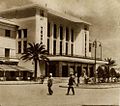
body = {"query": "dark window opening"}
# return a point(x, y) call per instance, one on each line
point(72, 35)
point(66, 48)
point(55, 31)
point(54, 47)
point(7, 33)
point(72, 49)
point(85, 44)
point(61, 33)
point(25, 33)
point(19, 47)
point(64, 71)
point(25, 46)
point(60, 47)
point(90, 47)
point(48, 30)
point(19, 34)
point(48, 43)
point(86, 27)
point(67, 34)
point(91, 72)
point(7, 52)
point(41, 13)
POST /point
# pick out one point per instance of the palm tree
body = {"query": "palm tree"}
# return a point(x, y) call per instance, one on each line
point(112, 73)
point(37, 53)
point(100, 73)
point(110, 64)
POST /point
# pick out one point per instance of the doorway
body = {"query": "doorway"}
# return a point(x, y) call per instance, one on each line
point(64, 71)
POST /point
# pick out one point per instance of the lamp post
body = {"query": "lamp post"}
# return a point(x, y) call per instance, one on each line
point(95, 45)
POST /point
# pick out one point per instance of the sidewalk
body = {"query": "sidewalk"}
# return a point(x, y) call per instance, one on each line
point(18, 82)
point(64, 85)
point(94, 86)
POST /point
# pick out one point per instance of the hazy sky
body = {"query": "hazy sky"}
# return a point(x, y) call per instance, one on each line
point(104, 15)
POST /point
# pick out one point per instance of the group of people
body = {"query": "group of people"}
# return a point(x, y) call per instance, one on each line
point(71, 83)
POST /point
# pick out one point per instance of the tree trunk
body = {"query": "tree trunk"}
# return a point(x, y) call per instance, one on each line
point(108, 74)
point(35, 75)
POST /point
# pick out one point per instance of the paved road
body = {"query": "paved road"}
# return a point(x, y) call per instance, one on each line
point(36, 95)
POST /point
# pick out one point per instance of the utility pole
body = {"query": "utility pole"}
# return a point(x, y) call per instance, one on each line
point(95, 44)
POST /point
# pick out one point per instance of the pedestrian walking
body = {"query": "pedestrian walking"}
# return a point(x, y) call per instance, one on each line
point(50, 83)
point(71, 85)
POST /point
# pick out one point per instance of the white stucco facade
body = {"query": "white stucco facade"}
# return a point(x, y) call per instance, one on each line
point(65, 37)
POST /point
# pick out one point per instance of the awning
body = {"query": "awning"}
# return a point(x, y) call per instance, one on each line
point(19, 68)
point(73, 59)
point(4, 67)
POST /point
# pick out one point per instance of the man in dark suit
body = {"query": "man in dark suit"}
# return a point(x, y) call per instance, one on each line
point(71, 84)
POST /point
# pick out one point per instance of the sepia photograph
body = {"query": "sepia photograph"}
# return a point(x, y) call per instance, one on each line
point(59, 52)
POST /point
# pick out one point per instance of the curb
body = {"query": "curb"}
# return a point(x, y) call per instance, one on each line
point(102, 86)
point(19, 83)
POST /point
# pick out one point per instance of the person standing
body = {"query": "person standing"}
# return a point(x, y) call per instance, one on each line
point(70, 85)
point(49, 84)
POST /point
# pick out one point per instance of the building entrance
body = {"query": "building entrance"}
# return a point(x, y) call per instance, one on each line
point(64, 71)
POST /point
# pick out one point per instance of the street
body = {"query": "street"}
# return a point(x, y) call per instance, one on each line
point(36, 95)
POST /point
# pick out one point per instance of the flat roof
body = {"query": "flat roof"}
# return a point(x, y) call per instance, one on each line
point(51, 11)
point(4, 20)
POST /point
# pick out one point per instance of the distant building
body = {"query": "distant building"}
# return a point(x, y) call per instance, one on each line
point(66, 38)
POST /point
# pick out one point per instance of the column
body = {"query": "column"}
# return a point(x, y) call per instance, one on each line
point(57, 69)
point(51, 38)
point(4, 78)
point(69, 43)
point(58, 41)
point(60, 69)
point(22, 42)
point(37, 31)
point(64, 41)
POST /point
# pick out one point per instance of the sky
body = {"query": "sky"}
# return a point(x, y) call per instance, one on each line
point(104, 15)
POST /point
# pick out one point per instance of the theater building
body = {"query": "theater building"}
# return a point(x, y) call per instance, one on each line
point(66, 38)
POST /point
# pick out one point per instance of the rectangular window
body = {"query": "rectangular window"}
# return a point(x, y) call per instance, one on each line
point(60, 47)
point(66, 48)
point(72, 35)
point(19, 47)
point(86, 27)
point(25, 46)
point(41, 34)
point(55, 31)
point(85, 43)
point(48, 30)
point(48, 45)
point(54, 47)
point(71, 49)
point(7, 33)
point(42, 13)
point(19, 34)
point(7, 52)
point(25, 33)
point(67, 34)
point(61, 33)
point(90, 47)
